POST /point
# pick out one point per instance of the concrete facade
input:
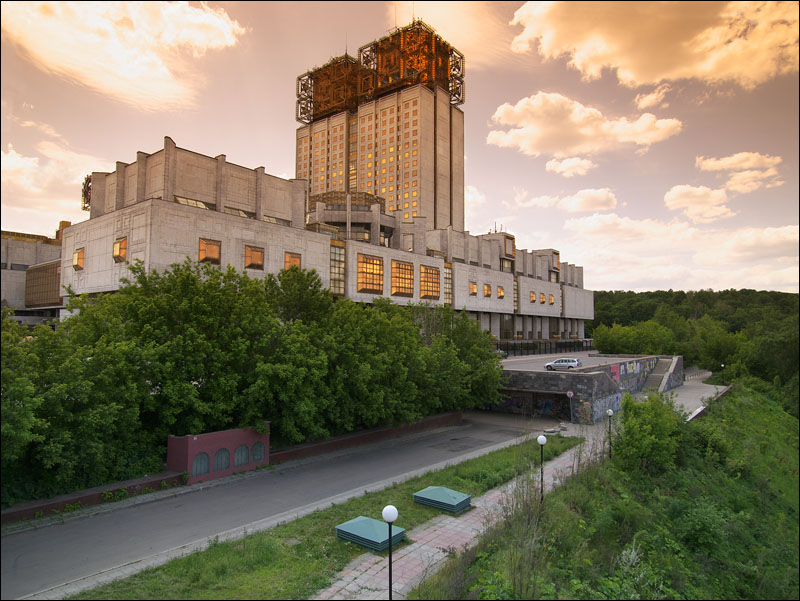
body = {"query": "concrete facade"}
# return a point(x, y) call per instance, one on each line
point(406, 146)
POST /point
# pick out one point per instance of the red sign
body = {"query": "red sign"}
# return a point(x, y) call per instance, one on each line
point(570, 394)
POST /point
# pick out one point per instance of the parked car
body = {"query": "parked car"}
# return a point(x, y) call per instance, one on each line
point(566, 363)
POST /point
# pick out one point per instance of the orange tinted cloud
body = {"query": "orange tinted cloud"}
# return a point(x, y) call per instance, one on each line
point(650, 42)
point(131, 51)
point(552, 124)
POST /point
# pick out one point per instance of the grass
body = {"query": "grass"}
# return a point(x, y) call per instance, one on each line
point(720, 523)
point(299, 558)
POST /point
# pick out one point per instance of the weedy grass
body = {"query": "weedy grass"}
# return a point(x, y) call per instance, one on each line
point(719, 522)
point(296, 559)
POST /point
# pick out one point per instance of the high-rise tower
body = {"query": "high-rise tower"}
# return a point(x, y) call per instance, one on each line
point(388, 124)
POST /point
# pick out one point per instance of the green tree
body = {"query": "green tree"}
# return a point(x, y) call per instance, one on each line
point(650, 435)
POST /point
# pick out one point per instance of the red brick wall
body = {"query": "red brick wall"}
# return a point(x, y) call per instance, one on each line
point(182, 450)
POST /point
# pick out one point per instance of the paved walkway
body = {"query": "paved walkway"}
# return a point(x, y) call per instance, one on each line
point(367, 577)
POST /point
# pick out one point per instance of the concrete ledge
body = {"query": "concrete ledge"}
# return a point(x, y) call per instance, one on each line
point(91, 496)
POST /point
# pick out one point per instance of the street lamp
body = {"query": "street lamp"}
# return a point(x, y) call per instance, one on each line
point(389, 516)
point(609, 413)
point(542, 440)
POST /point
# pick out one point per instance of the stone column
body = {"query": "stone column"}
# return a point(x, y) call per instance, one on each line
point(119, 200)
point(170, 169)
point(222, 187)
point(141, 175)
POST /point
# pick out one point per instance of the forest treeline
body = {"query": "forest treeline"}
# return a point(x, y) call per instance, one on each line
point(734, 333)
point(198, 349)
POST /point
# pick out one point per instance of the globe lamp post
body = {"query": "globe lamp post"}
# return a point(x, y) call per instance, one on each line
point(390, 516)
point(609, 413)
point(542, 440)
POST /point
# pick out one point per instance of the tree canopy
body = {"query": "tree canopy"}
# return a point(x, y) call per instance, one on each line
point(198, 349)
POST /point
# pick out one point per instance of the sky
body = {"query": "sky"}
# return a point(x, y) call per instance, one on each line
point(653, 143)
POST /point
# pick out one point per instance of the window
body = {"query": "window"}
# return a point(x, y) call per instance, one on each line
point(291, 260)
point(533, 297)
point(428, 282)
point(370, 274)
point(506, 265)
point(210, 251)
point(448, 284)
point(473, 289)
point(258, 452)
point(222, 460)
point(541, 297)
point(78, 258)
point(501, 293)
point(402, 278)
point(337, 268)
point(241, 456)
point(552, 300)
point(253, 257)
point(487, 290)
point(120, 251)
point(200, 464)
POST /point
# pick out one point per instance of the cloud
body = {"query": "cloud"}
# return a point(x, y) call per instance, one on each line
point(135, 52)
point(552, 124)
point(479, 30)
point(699, 204)
point(570, 167)
point(619, 253)
point(651, 42)
point(753, 171)
point(751, 180)
point(740, 160)
point(583, 200)
point(39, 190)
point(654, 98)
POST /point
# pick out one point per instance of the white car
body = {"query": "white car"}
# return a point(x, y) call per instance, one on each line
point(568, 363)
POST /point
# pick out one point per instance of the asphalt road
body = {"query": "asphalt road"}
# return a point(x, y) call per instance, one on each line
point(36, 560)
point(537, 362)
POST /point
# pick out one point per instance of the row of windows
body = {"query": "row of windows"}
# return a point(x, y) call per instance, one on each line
point(209, 251)
point(370, 278)
point(222, 459)
point(487, 290)
point(552, 299)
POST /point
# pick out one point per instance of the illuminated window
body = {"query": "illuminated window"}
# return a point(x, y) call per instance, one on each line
point(428, 282)
point(487, 290)
point(210, 251)
point(501, 293)
point(552, 300)
point(541, 297)
point(291, 260)
point(402, 278)
point(448, 284)
point(120, 251)
point(253, 257)
point(370, 274)
point(337, 268)
point(473, 289)
point(77, 259)
point(533, 297)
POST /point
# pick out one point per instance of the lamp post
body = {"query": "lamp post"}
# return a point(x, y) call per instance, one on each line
point(542, 440)
point(609, 413)
point(389, 516)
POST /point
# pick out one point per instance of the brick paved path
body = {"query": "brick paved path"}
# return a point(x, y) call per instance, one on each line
point(367, 576)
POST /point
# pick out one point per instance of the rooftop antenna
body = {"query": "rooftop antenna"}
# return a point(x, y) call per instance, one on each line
point(413, 17)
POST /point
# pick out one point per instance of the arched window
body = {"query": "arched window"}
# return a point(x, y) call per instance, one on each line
point(258, 452)
point(200, 464)
point(241, 456)
point(222, 460)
